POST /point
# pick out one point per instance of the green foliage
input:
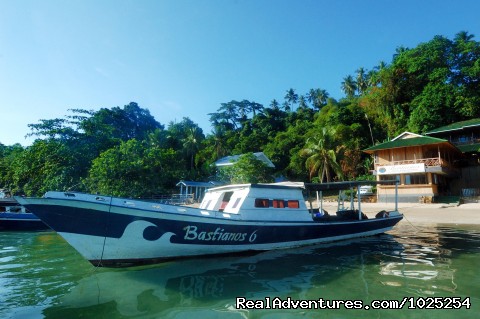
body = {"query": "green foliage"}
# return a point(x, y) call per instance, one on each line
point(321, 157)
point(46, 165)
point(308, 136)
point(134, 169)
point(248, 169)
point(431, 85)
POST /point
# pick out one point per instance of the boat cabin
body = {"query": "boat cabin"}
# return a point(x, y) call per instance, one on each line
point(255, 199)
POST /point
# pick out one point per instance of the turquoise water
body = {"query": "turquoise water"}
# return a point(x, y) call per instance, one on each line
point(41, 276)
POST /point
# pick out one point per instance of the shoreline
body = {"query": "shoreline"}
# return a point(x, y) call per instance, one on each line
point(415, 213)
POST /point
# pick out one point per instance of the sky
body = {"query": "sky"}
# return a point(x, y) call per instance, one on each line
point(183, 58)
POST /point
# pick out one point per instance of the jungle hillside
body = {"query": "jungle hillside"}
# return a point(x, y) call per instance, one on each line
point(309, 136)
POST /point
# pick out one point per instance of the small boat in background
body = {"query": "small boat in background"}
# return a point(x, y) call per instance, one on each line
point(6, 198)
point(111, 231)
point(16, 218)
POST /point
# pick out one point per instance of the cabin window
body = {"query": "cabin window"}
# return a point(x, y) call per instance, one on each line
point(227, 196)
point(237, 201)
point(206, 204)
point(225, 200)
point(293, 204)
point(261, 202)
point(278, 203)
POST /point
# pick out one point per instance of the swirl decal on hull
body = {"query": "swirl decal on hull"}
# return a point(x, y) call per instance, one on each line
point(141, 239)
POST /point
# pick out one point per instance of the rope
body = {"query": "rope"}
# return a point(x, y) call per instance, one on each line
point(416, 228)
point(105, 238)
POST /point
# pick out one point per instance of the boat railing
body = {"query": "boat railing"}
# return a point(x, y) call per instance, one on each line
point(174, 199)
point(348, 185)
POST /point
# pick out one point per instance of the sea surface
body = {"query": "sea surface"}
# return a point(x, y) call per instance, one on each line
point(41, 276)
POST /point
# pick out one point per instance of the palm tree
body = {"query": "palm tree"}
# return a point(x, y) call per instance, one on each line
point(399, 51)
point(361, 81)
point(317, 97)
point(219, 141)
point(349, 86)
point(291, 97)
point(372, 78)
point(274, 105)
point(191, 144)
point(463, 36)
point(302, 103)
point(320, 158)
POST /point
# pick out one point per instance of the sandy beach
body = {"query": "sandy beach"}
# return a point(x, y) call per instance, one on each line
point(415, 213)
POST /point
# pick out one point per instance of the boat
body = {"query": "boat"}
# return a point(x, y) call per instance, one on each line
point(118, 232)
point(16, 218)
point(6, 198)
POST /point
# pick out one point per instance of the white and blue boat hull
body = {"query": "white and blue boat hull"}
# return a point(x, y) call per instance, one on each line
point(118, 232)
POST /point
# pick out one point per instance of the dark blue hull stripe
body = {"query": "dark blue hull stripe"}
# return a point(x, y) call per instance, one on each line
point(211, 232)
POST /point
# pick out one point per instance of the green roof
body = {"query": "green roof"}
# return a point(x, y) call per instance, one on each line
point(469, 148)
point(456, 126)
point(407, 142)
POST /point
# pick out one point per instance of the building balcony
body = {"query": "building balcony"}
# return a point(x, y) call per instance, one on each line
point(436, 165)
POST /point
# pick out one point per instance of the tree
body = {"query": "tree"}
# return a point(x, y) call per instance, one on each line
point(291, 97)
point(135, 169)
point(349, 86)
point(191, 144)
point(45, 165)
point(125, 123)
point(321, 158)
point(255, 107)
point(248, 169)
point(317, 97)
point(274, 105)
point(286, 106)
point(362, 82)
point(302, 103)
point(9, 160)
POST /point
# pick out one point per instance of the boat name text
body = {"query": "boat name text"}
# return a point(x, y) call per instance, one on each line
point(219, 234)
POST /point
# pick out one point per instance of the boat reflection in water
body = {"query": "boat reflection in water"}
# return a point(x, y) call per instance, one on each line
point(435, 263)
point(188, 285)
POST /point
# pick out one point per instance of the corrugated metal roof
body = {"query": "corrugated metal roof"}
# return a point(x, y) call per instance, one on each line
point(456, 126)
point(407, 142)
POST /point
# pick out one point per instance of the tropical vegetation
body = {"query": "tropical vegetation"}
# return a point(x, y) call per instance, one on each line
point(309, 136)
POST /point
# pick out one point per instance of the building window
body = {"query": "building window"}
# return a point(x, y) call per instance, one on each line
point(415, 179)
point(390, 178)
point(261, 202)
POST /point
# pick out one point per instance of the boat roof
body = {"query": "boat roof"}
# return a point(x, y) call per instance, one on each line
point(344, 185)
point(301, 185)
point(281, 185)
